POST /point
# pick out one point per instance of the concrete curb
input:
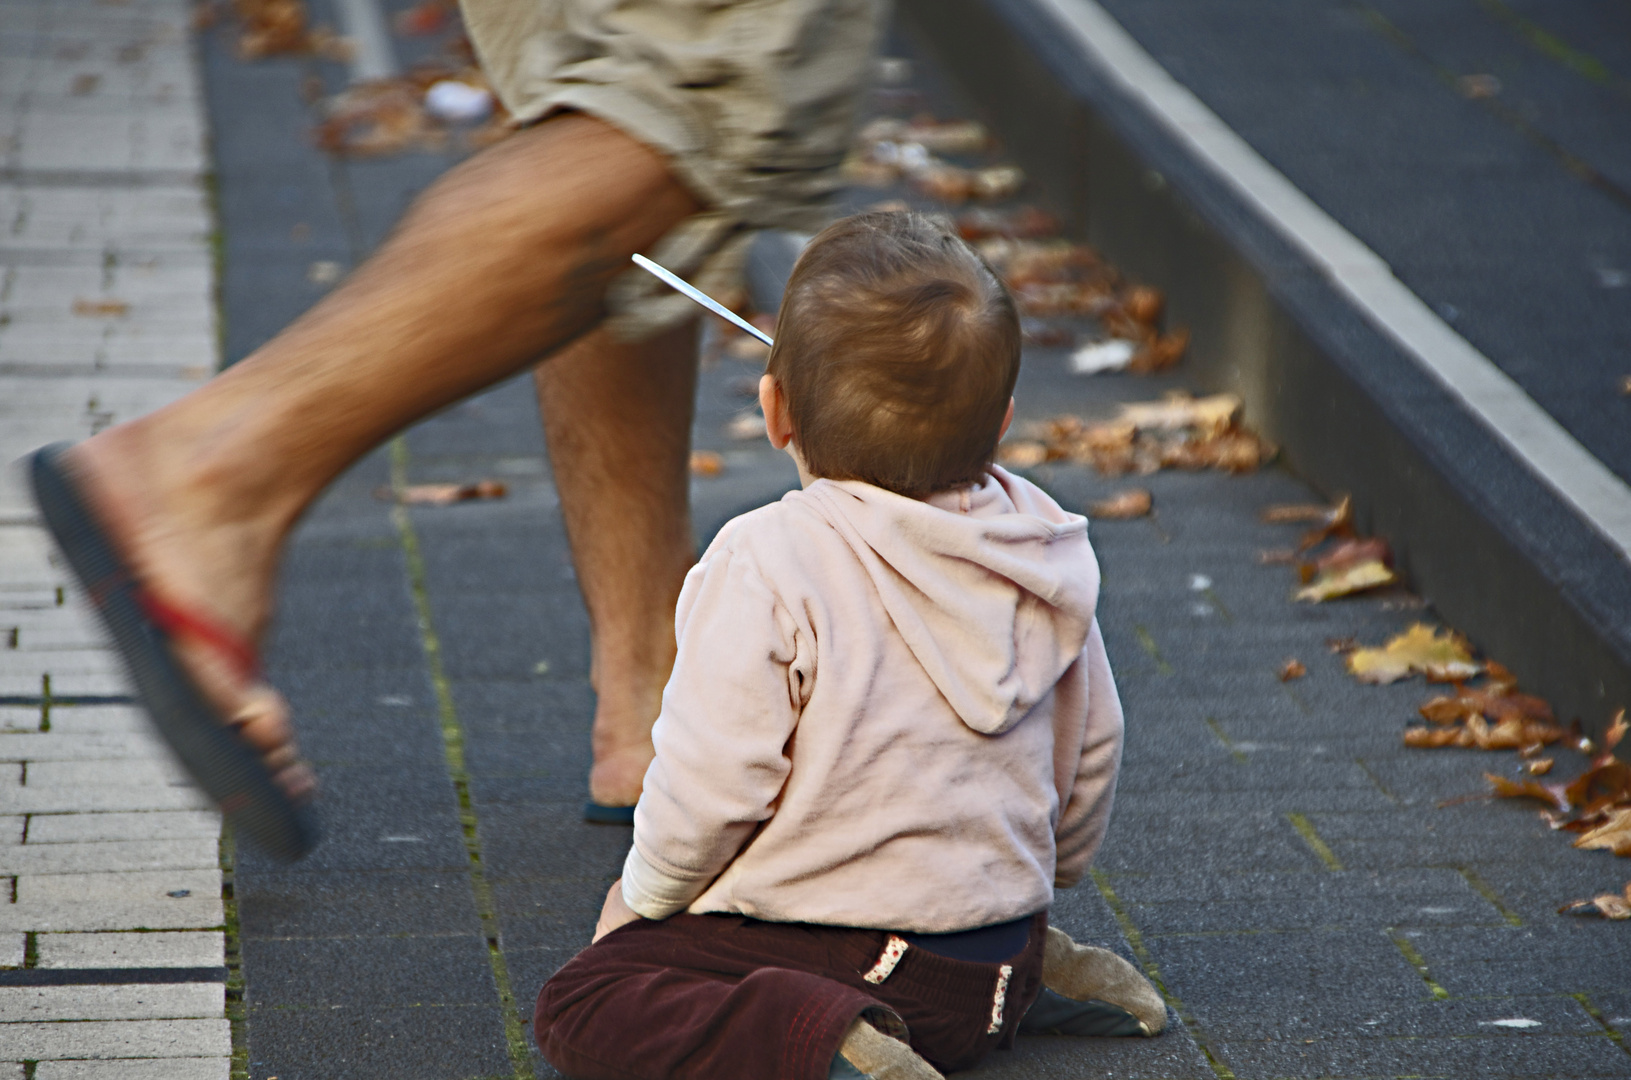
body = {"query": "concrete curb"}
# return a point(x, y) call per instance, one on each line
point(1514, 537)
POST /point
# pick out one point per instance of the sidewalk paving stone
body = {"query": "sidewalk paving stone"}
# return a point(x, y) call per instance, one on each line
point(183, 948)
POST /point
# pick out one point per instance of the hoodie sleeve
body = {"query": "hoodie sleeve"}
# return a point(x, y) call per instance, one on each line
point(1084, 816)
point(741, 676)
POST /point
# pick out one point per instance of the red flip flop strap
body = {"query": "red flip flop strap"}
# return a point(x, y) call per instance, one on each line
point(180, 622)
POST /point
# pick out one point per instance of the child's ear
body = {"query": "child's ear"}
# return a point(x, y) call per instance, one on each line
point(1007, 419)
point(773, 403)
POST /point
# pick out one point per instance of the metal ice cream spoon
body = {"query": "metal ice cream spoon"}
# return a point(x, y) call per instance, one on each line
point(674, 282)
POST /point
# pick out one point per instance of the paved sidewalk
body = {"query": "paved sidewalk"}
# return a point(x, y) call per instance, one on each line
point(1275, 859)
point(111, 947)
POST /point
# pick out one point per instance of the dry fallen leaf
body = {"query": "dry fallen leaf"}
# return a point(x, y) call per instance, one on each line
point(1131, 503)
point(424, 18)
point(1613, 835)
point(1551, 794)
point(1625, 385)
point(1608, 905)
point(1606, 784)
point(1439, 654)
point(444, 494)
point(1295, 513)
point(1292, 669)
point(1345, 581)
point(1538, 766)
point(1020, 223)
point(1160, 352)
point(101, 308)
point(706, 463)
point(1022, 453)
point(1207, 415)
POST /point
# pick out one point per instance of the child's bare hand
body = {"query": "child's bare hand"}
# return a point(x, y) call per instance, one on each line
point(614, 912)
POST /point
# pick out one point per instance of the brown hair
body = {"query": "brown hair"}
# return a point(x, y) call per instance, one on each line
point(897, 349)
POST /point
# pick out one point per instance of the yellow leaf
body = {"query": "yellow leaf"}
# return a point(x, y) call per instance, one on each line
point(1132, 503)
point(1613, 834)
point(1210, 415)
point(1439, 654)
point(1346, 580)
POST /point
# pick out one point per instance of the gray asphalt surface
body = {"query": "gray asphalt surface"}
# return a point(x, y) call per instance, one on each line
point(1509, 213)
point(1276, 859)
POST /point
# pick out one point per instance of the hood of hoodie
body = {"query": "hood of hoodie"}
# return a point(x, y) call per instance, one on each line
point(992, 587)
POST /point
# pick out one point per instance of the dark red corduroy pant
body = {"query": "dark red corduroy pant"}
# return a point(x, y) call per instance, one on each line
point(722, 997)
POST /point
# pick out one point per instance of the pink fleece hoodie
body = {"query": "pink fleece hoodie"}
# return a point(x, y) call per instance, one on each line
point(885, 713)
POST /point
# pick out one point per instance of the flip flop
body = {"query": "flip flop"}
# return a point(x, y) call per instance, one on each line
point(143, 626)
point(596, 814)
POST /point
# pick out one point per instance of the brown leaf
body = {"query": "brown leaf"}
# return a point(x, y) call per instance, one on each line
point(444, 494)
point(1447, 709)
point(1616, 731)
point(1613, 835)
point(1292, 669)
point(272, 27)
point(1160, 352)
point(706, 463)
point(1296, 513)
point(1207, 415)
point(1354, 551)
point(996, 182)
point(1339, 522)
point(1347, 580)
point(1130, 503)
point(1341, 644)
point(1602, 786)
point(1528, 789)
point(1144, 305)
point(1022, 453)
point(1539, 766)
point(424, 18)
point(945, 136)
point(1020, 223)
point(101, 308)
point(1418, 649)
point(1608, 905)
point(1429, 738)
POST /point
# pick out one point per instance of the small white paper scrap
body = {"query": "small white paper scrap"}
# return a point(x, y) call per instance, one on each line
point(1112, 355)
point(1515, 1022)
point(457, 102)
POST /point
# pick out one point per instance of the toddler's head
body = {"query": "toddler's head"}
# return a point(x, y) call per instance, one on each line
point(896, 354)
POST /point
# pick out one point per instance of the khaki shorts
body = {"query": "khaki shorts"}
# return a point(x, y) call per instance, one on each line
point(752, 101)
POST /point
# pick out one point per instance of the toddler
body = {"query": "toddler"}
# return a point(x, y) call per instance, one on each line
point(891, 731)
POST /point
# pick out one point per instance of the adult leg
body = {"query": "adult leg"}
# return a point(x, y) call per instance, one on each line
point(618, 422)
point(502, 261)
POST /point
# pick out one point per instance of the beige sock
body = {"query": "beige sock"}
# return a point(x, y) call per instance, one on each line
point(882, 1057)
point(1082, 972)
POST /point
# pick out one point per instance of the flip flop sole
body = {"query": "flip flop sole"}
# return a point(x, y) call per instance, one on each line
point(596, 814)
point(229, 771)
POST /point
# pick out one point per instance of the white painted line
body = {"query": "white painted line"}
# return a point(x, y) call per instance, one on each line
point(372, 56)
point(1532, 434)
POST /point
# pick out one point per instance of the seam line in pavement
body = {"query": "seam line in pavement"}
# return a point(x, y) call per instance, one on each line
point(1311, 837)
point(1597, 1014)
point(1417, 961)
point(1529, 432)
point(452, 731)
point(1576, 166)
point(1135, 940)
point(1482, 888)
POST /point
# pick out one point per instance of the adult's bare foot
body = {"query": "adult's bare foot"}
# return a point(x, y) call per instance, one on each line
point(168, 530)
